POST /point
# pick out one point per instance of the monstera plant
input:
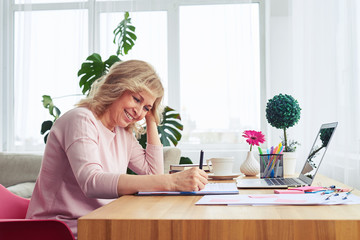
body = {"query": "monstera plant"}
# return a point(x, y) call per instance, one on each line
point(93, 68)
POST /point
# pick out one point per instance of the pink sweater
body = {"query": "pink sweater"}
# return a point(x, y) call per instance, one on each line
point(81, 167)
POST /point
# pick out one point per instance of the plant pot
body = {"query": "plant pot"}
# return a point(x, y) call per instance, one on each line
point(250, 167)
point(289, 161)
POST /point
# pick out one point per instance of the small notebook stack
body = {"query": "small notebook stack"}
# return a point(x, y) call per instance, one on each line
point(181, 167)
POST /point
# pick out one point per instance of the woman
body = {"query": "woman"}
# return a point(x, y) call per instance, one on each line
point(90, 147)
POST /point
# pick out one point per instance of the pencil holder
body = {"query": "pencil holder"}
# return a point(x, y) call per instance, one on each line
point(271, 166)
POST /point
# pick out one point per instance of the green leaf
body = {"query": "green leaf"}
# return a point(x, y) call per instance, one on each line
point(129, 171)
point(90, 71)
point(46, 126)
point(132, 28)
point(185, 160)
point(95, 57)
point(164, 140)
point(48, 103)
point(57, 112)
point(131, 35)
point(176, 133)
point(111, 60)
point(168, 109)
point(170, 127)
point(175, 116)
point(51, 109)
point(83, 80)
point(46, 137)
point(93, 69)
point(47, 100)
point(172, 139)
point(124, 35)
point(143, 140)
point(176, 124)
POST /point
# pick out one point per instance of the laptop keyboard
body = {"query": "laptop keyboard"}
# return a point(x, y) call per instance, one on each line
point(281, 181)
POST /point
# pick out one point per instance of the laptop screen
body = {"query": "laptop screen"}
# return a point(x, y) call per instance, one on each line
point(317, 152)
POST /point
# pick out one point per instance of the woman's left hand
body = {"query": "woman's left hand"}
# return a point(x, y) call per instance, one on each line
point(151, 129)
point(149, 117)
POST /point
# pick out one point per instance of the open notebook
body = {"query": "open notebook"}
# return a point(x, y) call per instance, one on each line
point(210, 189)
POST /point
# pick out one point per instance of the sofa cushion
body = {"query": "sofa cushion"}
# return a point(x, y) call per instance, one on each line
point(23, 189)
point(172, 155)
point(18, 168)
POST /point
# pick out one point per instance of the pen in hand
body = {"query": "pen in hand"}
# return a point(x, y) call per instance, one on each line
point(201, 159)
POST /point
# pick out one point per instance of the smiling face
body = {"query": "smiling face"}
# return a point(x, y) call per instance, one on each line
point(129, 108)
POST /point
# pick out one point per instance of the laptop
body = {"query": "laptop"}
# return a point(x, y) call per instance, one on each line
point(309, 170)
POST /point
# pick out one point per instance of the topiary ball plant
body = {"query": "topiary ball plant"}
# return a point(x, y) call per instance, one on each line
point(282, 112)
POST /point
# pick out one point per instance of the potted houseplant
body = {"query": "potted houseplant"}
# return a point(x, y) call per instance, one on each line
point(283, 112)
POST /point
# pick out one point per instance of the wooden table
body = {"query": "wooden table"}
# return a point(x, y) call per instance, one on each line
point(177, 217)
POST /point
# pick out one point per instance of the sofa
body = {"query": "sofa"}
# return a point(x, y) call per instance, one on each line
point(18, 172)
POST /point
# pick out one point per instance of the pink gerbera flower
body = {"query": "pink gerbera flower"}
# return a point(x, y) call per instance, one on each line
point(253, 137)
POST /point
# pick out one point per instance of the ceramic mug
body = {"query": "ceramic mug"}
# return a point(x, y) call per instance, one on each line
point(221, 166)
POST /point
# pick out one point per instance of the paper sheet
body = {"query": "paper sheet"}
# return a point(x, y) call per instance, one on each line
point(278, 199)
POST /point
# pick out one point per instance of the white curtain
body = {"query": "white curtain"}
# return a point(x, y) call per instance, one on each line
point(50, 42)
point(315, 50)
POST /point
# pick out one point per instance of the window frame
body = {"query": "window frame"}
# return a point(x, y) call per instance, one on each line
point(8, 9)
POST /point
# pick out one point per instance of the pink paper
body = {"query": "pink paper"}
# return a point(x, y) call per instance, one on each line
point(262, 196)
point(307, 188)
point(289, 191)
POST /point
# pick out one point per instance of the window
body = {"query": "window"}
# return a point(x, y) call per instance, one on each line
point(46, 56)
point(219, 72)
point(208, 56)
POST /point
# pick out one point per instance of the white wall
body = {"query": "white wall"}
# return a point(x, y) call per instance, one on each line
point(314, 56)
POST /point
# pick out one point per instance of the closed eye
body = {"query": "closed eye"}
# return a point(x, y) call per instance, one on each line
point(136, 99)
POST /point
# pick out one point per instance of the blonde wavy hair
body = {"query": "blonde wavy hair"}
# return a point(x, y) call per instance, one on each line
point(132, 75)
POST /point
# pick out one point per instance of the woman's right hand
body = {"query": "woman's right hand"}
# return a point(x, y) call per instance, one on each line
point(189, 180)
